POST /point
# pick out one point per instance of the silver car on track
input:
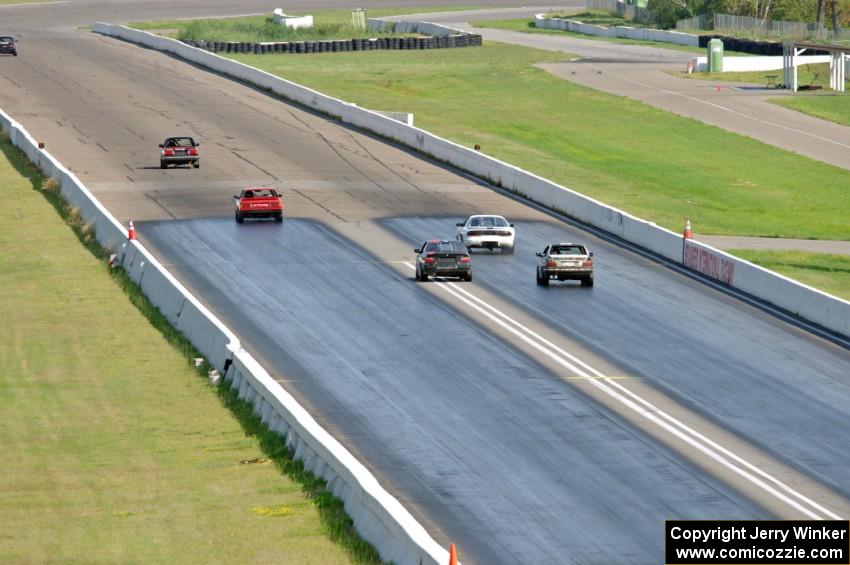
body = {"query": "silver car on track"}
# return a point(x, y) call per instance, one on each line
point(565, 262)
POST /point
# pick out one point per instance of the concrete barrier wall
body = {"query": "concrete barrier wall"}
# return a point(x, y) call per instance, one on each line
point(291, 21)
point(758, 63)
point(635, 230)
point(110, 233)
point(378, 516)
point(207, 333)
point(625, 32)
point(403, 117)
point(425, 28)
point(799, 299)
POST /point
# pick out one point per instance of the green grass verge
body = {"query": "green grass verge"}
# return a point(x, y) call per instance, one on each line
point(829, 273)
point(832, 107)
point(527, 26)
point(649, 162)
point(7, 2)
point(114, 448)
point(806, 74)
point(327, 24)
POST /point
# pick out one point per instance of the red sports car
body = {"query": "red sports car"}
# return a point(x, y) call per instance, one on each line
point(258, 203)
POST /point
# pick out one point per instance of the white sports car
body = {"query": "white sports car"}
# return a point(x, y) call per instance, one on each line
point(487, 231)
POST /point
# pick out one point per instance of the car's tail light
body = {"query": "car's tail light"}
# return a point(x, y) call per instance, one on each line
point(474, 232)
point(464, 260)
point(192, 151)
point(168, 152)
point(429, 260)
point(587, 264)
point(551, 263)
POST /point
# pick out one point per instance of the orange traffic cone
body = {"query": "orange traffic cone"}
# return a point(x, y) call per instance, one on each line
point(452, 555)
point(688, 233)
point(131, 231)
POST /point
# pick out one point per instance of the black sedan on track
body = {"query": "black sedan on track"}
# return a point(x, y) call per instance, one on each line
point(8, 45)
point(443, 259)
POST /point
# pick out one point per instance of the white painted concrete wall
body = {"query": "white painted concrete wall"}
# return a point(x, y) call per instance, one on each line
point(424, 28)
point(625, 32)
point(292, 21)
point(757, 63)
point(825, 310)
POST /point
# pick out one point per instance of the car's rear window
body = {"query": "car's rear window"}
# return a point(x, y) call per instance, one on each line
point(488, 222)
point(259, 193)
point(445, 247)
point(6, 40)
point(567, 250)
point(180, 142)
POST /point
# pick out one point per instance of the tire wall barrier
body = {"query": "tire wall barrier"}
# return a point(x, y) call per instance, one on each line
point(643, 34)
point(748, 45)
point(438, 37)
point(647, 235)
point(378, 517)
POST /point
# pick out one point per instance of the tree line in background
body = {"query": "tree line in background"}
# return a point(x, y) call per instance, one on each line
point(828, 14)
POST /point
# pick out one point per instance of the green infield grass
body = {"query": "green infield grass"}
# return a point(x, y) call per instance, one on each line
point(114, 448)
point(652, 163)
point(832, 107)
point(829, 273)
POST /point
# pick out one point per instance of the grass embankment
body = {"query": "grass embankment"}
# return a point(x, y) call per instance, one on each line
point(835, 108)
point(327, 24)
point(806, 75)
point(114, 449)
point(526, 25)
point(649, 162)
point(830, 273)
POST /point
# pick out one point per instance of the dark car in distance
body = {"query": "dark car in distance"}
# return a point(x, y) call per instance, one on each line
point(443, 259)
point(179, 151)
point(8, 45)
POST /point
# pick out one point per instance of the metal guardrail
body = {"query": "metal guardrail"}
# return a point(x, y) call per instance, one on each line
point(731, 23)
point(699, 22)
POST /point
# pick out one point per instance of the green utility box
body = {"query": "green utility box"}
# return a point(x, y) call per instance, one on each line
point(358, 19)
point(715, 56)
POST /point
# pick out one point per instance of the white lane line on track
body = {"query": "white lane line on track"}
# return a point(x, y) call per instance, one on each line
point(725, 109)
point(640, 405)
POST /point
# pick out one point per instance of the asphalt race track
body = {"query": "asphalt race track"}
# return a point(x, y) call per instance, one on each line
point(528, 425)
point(493, 448)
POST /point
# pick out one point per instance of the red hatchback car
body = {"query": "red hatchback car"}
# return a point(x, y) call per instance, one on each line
point(258, 203)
